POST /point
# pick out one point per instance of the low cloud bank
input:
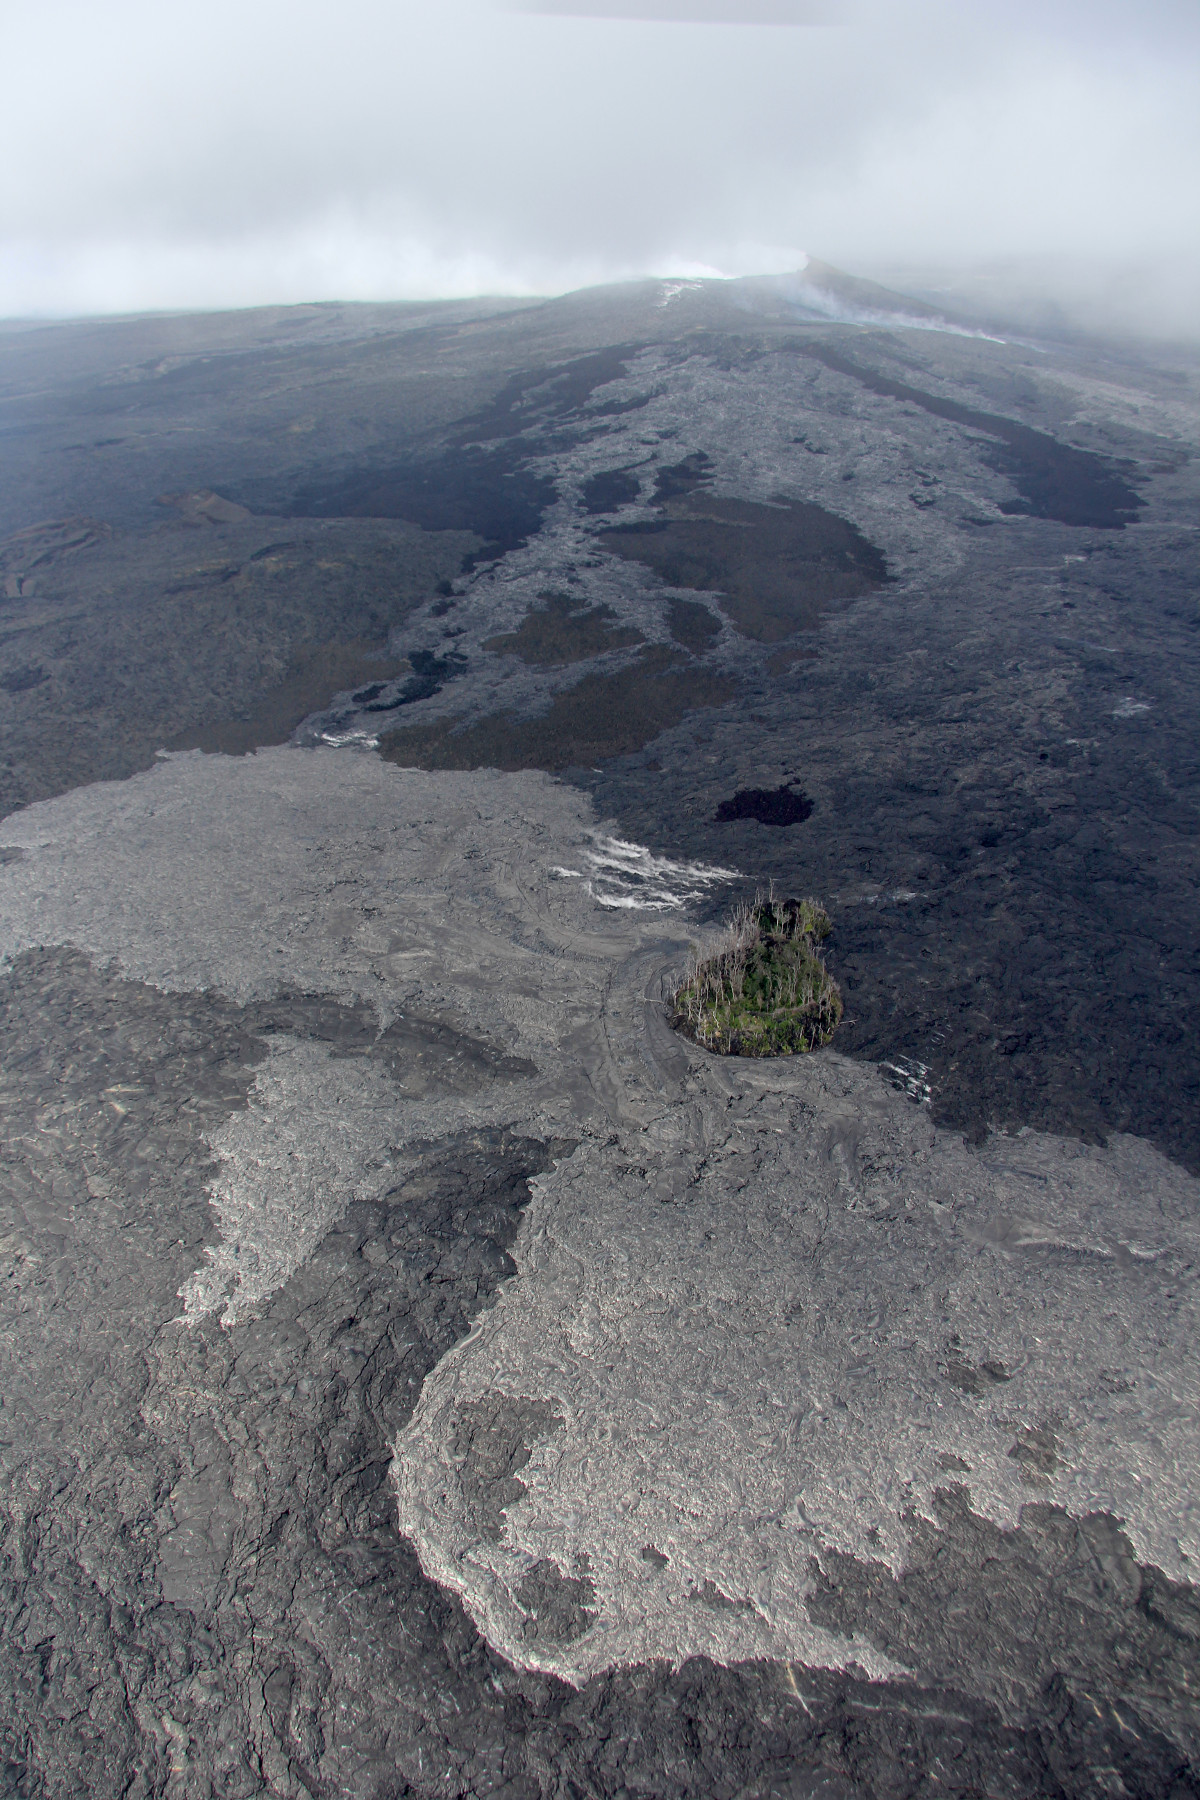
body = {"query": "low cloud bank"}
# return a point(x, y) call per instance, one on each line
point(408, 152)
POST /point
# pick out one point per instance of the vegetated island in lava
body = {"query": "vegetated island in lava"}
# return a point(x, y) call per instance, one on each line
point(765, 990)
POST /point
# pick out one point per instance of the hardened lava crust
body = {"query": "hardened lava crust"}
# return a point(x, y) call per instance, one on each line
point(426, 1372)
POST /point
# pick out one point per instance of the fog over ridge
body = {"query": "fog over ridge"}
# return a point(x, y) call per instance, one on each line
point(281, 154)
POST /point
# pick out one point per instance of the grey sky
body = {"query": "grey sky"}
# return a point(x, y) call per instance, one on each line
point(257, 150)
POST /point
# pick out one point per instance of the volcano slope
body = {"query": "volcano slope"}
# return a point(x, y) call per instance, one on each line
point(425, 1373)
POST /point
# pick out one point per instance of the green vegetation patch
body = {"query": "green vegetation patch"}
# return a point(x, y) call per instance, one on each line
point(602, 716)
point(564, 630)
point(777, 567)
point(765, 991)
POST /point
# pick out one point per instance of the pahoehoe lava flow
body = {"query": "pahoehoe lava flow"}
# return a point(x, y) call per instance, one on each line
point(426, 1371)
point(1053, 480)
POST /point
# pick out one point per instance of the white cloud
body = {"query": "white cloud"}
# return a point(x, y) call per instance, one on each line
point(263, 151)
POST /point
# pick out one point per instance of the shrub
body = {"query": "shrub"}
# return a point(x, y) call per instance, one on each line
point(765, 990)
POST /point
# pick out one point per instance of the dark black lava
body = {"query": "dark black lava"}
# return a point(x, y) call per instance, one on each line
point(466, 488)
point(551, 391)
point(1072, 1575)
point(1008, 887)
point(777, 567)
point(769, 806)
point(430, 674)
point(19, 681)
point(1055, 481)
point(200, 1572)
point(610, 490)
point(200, 1581)
point(679, 479)
point(478, 479)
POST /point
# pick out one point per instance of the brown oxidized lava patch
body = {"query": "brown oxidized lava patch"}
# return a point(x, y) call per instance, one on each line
point(316, 674)
point(602, 716)
point(693, 625)
point(564, 629)
point(777, 566)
